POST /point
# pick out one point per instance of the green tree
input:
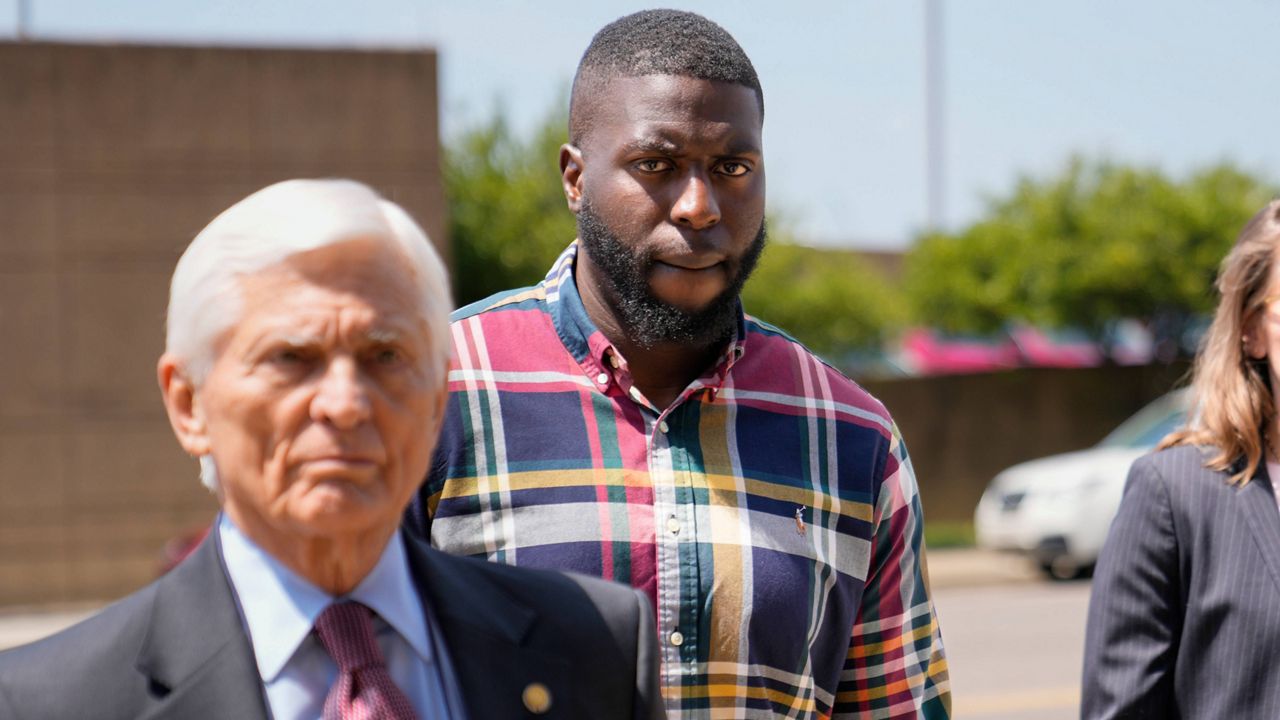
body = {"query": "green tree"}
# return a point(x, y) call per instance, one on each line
point(1098, 242)
point(507, 213)
point(828, 299)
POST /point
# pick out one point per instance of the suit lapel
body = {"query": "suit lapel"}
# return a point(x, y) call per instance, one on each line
point(196, 654)
point(488, 634)
point(1263, 517)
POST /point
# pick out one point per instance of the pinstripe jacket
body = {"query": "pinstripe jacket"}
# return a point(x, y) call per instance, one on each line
point(1184, 620)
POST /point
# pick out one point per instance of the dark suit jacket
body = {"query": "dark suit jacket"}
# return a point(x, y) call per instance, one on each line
point(1184, 620)
point(177, 648)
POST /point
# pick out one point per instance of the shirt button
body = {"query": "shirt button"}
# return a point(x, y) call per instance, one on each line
point(662, 425)
point(673, 525)
point(603, 378)
point(676, 638)
point(635, 393)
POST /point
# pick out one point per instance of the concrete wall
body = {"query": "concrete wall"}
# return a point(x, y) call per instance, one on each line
point(111, 159)
point(963, 429)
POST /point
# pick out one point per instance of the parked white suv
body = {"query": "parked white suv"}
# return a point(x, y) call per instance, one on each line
point(1058, 509)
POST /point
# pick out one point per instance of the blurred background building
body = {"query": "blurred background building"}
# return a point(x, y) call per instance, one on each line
point(112, 157)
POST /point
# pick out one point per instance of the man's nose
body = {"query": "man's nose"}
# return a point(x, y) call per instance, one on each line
point(341, 398)
point(696, 207)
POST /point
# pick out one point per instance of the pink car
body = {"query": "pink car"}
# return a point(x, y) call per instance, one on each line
point(930, 352)
point(1055, 348)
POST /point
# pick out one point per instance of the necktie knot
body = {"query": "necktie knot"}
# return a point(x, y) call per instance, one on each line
point(346, 632)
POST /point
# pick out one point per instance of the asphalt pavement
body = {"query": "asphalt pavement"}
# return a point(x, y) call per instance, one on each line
point(970, 567)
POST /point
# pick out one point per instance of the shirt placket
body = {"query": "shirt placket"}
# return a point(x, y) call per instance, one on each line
point(675, 512)
point(675, 527)
point(678, 534)
point(667, 524)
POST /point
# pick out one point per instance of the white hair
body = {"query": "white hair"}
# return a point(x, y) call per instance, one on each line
point(266, 229)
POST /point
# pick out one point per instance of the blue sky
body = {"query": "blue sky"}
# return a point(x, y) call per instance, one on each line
point(1177, 83)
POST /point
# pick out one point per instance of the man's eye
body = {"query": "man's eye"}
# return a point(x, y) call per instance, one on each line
point(653, 165)
point(387, 356)
point(289, 356)
point(734, 169)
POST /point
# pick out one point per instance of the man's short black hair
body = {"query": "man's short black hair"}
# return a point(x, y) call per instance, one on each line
point(658, 42)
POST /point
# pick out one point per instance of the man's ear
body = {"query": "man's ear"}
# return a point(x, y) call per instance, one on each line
point(186, 416)
point(571, 175)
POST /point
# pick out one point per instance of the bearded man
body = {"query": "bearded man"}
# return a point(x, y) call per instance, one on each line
point(624, 418)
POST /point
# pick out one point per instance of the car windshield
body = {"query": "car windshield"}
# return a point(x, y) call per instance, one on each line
point(1147, 426)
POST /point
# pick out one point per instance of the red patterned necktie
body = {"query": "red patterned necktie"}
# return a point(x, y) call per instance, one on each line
point(364, 690)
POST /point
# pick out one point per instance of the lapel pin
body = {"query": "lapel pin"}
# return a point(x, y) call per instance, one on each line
point(537, 698)
point(800, 520)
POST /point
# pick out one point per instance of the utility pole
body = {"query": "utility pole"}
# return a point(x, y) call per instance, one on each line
point(24, 18)
point(935, 130)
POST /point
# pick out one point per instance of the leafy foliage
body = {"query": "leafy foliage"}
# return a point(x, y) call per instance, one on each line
point(507, 214)
point(827, 299)
point(1099, 242)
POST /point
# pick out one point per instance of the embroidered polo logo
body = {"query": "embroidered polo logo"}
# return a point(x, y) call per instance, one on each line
point(800, 527)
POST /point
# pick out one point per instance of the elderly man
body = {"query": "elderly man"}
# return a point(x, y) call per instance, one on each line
point(625, 419)
point(306, 350)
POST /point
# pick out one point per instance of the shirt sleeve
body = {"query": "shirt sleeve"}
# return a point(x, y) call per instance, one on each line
point(896, 666)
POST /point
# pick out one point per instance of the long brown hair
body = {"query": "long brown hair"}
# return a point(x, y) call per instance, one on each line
point(1233, 404)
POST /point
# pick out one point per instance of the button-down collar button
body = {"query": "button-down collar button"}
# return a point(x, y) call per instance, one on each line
point(673, 525)
point(676, 638)
point(603, 378)
point(613, 360)
point(662, 425)
point(635, 393)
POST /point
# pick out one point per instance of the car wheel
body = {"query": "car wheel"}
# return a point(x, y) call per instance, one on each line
point(1062, 568)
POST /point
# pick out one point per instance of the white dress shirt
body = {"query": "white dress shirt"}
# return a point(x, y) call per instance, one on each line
point(279, 609)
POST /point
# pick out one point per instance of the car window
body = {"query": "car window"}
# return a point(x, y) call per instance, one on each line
point(1146, 427)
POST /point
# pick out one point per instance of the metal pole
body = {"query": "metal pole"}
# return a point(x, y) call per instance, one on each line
point(935, 130)
point(24, 18)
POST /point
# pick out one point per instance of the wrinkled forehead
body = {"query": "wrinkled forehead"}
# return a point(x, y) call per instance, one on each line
point(364, 275)
point(361, 264)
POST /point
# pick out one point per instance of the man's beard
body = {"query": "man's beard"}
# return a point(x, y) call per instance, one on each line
point(648, 320)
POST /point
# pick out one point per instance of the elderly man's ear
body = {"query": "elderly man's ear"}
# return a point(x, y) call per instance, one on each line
point(180, 402)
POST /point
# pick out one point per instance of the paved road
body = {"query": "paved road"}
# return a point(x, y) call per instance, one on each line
point(1014, 650)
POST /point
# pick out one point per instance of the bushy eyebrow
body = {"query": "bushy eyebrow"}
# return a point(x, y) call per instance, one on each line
point(651, 144)
point(293, 340)
point(664, 146)
point(742, 147)
point(384, 336)
point(377, 336)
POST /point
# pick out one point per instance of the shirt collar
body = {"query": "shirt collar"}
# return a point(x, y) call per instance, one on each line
point(589, 347)
point(280, 607)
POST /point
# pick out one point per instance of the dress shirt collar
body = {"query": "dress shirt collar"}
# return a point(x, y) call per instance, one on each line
point(590, 348)
point(280, 607)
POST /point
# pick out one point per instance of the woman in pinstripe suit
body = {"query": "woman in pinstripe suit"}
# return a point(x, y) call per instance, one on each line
point(1184, 620)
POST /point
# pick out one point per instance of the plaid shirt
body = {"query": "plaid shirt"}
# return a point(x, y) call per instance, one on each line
point(770, 513)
